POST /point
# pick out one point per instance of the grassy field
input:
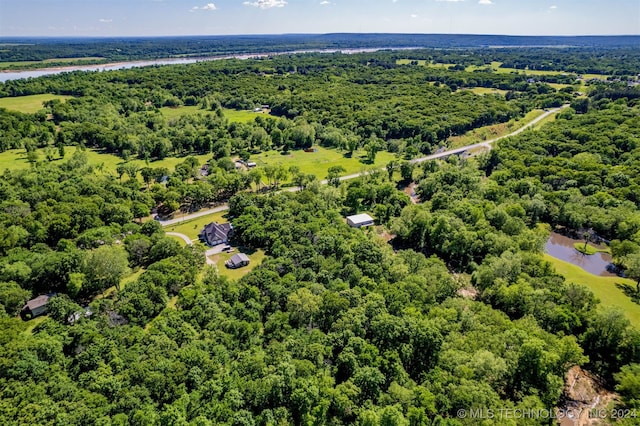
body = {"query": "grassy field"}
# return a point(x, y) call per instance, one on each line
point(486, 91)
point(317, 163)
point(192, 228)
point(255, 257)
point(604, 288)
point(28, 104)
point(231, 114)
point(16, 159)
point(493, 131)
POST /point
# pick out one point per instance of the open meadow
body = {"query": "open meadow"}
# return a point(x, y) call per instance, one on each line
point(231, 114)
point(29, 104)
point(317, 163)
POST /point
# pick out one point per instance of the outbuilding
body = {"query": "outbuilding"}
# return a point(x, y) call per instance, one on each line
point(360, 220)
point(237, 261)
point(35, 307)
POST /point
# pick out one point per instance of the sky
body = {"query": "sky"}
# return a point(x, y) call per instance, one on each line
point(103, 18)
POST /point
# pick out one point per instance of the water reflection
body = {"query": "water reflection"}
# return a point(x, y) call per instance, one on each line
point(562, 248)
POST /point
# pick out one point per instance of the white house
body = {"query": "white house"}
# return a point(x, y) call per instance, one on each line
point(359, 220)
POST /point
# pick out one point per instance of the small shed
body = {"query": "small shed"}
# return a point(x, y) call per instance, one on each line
point(237, 261)
point(35, 307)
point(360, 220)
point(251, 164)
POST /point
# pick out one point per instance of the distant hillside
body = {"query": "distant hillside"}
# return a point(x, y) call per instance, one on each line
point(115, 49)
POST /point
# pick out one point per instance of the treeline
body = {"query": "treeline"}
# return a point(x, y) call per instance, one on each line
point(127, 49)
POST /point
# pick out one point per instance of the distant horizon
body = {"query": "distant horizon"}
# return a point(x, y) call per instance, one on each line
point(3, 37)
point(190, 18)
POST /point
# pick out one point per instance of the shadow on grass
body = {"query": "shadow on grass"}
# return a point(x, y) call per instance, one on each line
point(631, 291)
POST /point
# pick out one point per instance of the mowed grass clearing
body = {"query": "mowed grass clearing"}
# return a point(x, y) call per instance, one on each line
point(256, 257)
point(29, 104)
point(231, 114)
point(191, 228)
point(317, 163)
point(485, 91)
point(604, 288)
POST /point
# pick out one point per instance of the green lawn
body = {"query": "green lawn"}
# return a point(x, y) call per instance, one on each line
point(242, 116)
point(235, 274)
point(192, 228)
point(29, 104)
point(604, 288)
point(231, 114)
point(317, 163)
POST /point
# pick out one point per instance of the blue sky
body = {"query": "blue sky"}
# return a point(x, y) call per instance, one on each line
point(212, 17)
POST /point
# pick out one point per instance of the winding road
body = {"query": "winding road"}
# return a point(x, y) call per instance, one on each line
point(483, 144)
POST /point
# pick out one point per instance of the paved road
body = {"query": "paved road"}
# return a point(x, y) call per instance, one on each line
point(195, 215)
point(483, 144)
point(187, 240)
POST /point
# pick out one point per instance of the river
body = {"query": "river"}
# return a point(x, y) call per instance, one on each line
point(16, 75)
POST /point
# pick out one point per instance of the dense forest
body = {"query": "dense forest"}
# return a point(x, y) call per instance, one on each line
point(445, 305)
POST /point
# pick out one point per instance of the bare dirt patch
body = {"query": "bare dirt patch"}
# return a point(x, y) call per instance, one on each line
point(584, 393)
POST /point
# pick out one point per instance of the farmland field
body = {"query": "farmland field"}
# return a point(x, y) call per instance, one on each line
point(28, 104)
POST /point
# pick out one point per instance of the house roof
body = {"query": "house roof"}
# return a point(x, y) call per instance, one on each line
point(216, 231)
point(239, 258)
point(38, 302)
point(360, 218)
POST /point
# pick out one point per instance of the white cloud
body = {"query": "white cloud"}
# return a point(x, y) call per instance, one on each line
point(553, 7)
point(266, 4)
point(414, 16)
point(208, 6)
point(323, 2)
point(105, 20)
point(485, 2)
point(451, 1)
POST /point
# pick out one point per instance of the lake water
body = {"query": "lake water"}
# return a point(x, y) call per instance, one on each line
point(562, 248)
point(16, 75)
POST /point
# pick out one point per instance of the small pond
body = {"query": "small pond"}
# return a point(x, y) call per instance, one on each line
point(562, 248)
